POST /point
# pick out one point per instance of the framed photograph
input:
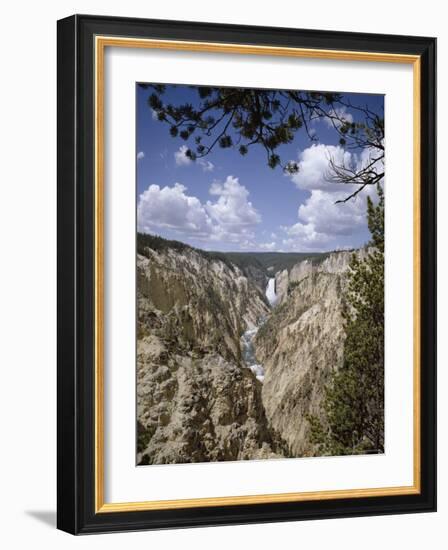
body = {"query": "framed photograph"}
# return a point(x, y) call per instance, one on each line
point(246, 274)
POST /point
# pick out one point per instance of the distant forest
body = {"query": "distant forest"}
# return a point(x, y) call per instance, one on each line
point(267, 262)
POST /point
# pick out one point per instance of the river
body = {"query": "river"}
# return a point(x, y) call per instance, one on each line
point(247, 339)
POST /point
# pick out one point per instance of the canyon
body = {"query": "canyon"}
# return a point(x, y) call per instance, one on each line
point(232, 356)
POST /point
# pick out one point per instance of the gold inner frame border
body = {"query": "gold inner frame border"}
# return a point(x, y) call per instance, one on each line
point(101, 43)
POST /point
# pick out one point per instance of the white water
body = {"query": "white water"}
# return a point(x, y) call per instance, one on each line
point(248, 351)
point(271, 295)
point(247, 339)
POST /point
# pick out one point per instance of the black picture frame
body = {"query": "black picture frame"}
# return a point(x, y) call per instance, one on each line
point(76, 256)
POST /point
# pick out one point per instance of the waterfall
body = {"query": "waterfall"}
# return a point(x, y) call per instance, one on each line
point(271, 295)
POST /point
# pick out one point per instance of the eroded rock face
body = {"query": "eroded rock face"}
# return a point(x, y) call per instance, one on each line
point(281, 285)
point(195, 399)
point(201, 409)
point(337, 263)
point(257, 276)
point(301, 344)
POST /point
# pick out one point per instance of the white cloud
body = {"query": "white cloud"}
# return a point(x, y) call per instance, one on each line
point(304, 237)
point(140, 155)
point(321, 211)
point(172, 208)
point(322, 222)
point(230, 218)
point(232, 212)
point(206, 165)
point(267, 246)
point(314, 167)
point(247, 244)
point(180, 156)
point(341, 113)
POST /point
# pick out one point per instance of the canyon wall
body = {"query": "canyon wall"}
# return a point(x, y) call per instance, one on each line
point(196, 401)
point(301, 343)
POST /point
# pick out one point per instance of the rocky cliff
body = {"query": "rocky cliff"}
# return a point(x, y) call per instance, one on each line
point(196, 401)
point(335, 262)
point(197, 398)
point(301, 343)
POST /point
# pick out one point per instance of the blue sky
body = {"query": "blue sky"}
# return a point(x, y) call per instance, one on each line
point(230, 202)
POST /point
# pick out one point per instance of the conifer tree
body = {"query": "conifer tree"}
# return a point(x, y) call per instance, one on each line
point(353, 405)
point(242, 118)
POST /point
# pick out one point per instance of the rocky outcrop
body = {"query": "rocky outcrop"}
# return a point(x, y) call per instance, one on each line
point(200, 409)
point(301, 343)
point(336, 263)
point(281, 285)
point(256, 275)
point(196, 401)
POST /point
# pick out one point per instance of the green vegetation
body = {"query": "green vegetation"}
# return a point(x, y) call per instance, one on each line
point(144, 240)
point(277, 261)
point(243, 118)
point(157, 243)
point(353, 420)
point(266, 262)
